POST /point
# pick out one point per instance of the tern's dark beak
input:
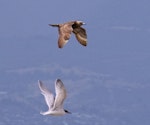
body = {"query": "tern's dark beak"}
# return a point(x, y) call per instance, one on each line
point(67, 112)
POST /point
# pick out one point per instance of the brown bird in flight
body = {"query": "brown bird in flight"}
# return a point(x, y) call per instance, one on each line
point(66, 29)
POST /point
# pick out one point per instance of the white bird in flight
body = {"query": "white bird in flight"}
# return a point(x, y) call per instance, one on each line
point(55, 105)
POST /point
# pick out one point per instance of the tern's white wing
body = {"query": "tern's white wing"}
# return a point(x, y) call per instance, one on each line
point(49, 97)
point(60, 94)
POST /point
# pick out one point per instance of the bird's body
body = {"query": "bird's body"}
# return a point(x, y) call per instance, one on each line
point(55, 105)
point(54, 112)
point(66, 29)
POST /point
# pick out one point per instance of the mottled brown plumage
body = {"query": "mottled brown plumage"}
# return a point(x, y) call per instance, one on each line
point(66, 29)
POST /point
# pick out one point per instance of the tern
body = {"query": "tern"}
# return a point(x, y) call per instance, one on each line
point(67, 28)
point(55, 105)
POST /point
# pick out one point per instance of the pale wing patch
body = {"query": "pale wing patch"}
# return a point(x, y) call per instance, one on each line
point(81, 40)
point(62, 41)
point(81, 35)
point(64, 34)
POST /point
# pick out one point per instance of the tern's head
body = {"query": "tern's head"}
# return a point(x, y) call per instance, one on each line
point(67, 112)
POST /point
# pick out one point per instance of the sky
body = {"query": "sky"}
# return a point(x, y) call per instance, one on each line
point(117, 31)
point(118, 44)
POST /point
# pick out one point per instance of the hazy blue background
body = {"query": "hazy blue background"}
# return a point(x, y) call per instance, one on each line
point(108, 81)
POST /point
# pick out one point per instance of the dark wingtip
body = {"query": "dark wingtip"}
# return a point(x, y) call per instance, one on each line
point(67, 112)
point(84, 44)
point(60, 46)
point(58, 80)
point(39, 81)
